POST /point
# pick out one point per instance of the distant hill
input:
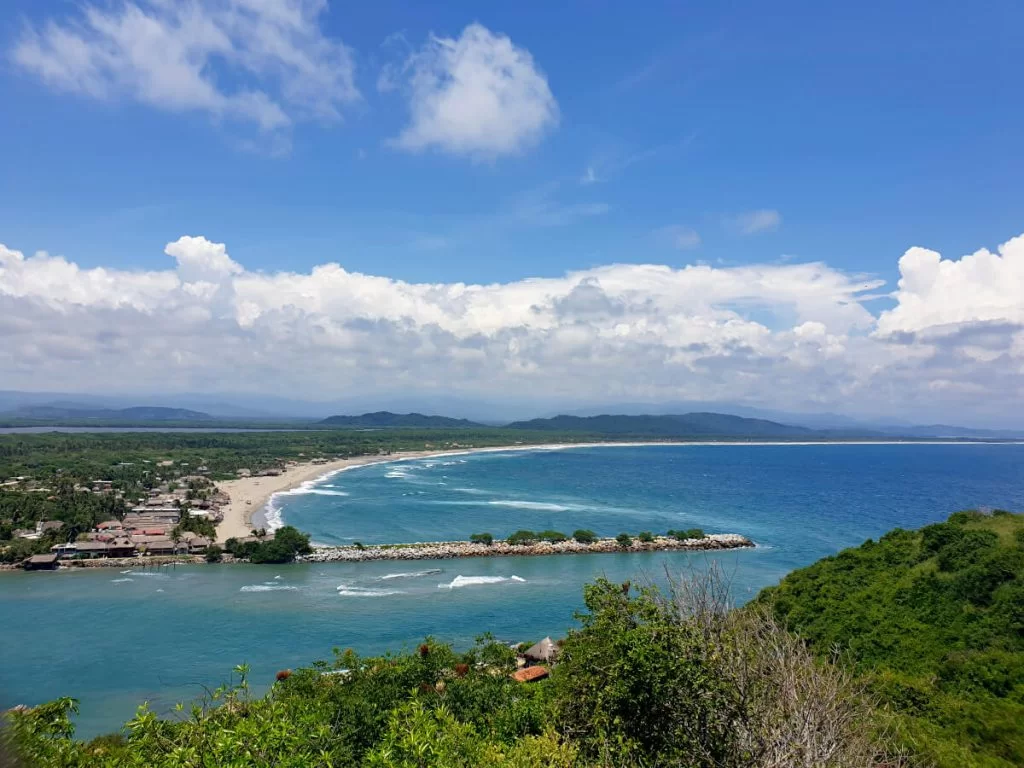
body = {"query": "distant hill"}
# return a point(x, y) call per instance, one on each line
point(62, 411)
point(684, 425)
point(948, 431)
point(383, 419)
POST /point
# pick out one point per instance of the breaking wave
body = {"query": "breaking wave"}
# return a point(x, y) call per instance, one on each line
point(411, 574)
point(118, 581)
point(472, 581)
point(266, 588)
point(344, 590)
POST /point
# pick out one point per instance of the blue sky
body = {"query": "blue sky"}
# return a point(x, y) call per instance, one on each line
point(730, 134)
point(868, 128)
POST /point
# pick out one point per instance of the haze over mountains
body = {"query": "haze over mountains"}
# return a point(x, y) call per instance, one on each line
point(73, 411)
point(38, 409)
point(452, 412)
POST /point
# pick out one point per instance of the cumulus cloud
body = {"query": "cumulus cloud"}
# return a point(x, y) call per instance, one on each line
point(755, 222)
point(478, 95)
point(785, 335)
point(264, 62)
point(934, 292)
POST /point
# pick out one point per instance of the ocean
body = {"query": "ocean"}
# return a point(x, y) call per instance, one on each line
point(113, 639)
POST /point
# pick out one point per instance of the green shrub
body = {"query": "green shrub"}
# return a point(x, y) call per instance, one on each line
point(583, 536)
point(287, 544)
point(645, 536)
point(689, 533)
point(624, 540)
point(213, 554)
point(522, 536)
point(482, 538)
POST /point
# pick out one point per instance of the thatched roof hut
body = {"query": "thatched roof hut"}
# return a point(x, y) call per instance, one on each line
point(545, 650)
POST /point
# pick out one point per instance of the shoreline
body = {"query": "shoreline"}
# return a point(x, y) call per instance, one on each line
point(250, 496)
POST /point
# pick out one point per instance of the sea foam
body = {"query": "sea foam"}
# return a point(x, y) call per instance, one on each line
point(472, 581)
point(266, 588)
point(344, 590)
point(411, 574)
point(537, 505)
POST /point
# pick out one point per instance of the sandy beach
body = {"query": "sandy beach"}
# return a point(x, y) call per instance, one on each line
point(249, 495)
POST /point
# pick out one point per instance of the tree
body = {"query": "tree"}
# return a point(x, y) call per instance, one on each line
point(624, 540)
point(583, 536)
point(645, 536)
point(522, 536)
point(482, 538)
point(213, 554)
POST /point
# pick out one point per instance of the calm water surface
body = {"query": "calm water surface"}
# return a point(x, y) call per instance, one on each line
point(113, 639)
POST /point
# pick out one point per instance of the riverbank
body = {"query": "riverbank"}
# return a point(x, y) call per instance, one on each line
point(446, 550)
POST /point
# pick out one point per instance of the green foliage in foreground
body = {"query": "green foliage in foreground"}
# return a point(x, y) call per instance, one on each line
point(648, 680)
point(287, 543)
point(934, 619)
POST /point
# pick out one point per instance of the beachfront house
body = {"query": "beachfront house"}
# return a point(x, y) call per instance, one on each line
point(40, 562)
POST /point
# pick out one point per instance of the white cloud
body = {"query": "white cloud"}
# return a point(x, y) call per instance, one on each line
point(264, 62)
point(479, 95)
point(784, 335)
point(981, 287)
point(754, 222)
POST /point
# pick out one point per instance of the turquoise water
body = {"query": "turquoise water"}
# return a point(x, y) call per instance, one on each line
point(113, 639)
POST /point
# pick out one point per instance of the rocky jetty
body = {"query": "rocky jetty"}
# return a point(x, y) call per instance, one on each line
point(443, 550)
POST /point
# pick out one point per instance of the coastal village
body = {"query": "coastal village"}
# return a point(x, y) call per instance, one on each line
point(187, 516)
point(151, 528)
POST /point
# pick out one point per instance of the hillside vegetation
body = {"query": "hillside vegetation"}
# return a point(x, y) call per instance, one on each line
point(934, 620)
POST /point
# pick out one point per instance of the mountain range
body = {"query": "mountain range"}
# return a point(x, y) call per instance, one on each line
point(396, 411)
point(384, 419)
point(75, 412)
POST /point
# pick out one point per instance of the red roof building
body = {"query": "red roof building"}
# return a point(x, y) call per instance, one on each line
point(530, 674)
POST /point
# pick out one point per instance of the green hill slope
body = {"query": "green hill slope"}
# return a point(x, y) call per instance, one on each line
point(386, 419)
point(684, 425)
point(935, 619)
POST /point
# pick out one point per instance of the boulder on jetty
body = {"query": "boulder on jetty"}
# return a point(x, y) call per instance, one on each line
point(443, 550)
